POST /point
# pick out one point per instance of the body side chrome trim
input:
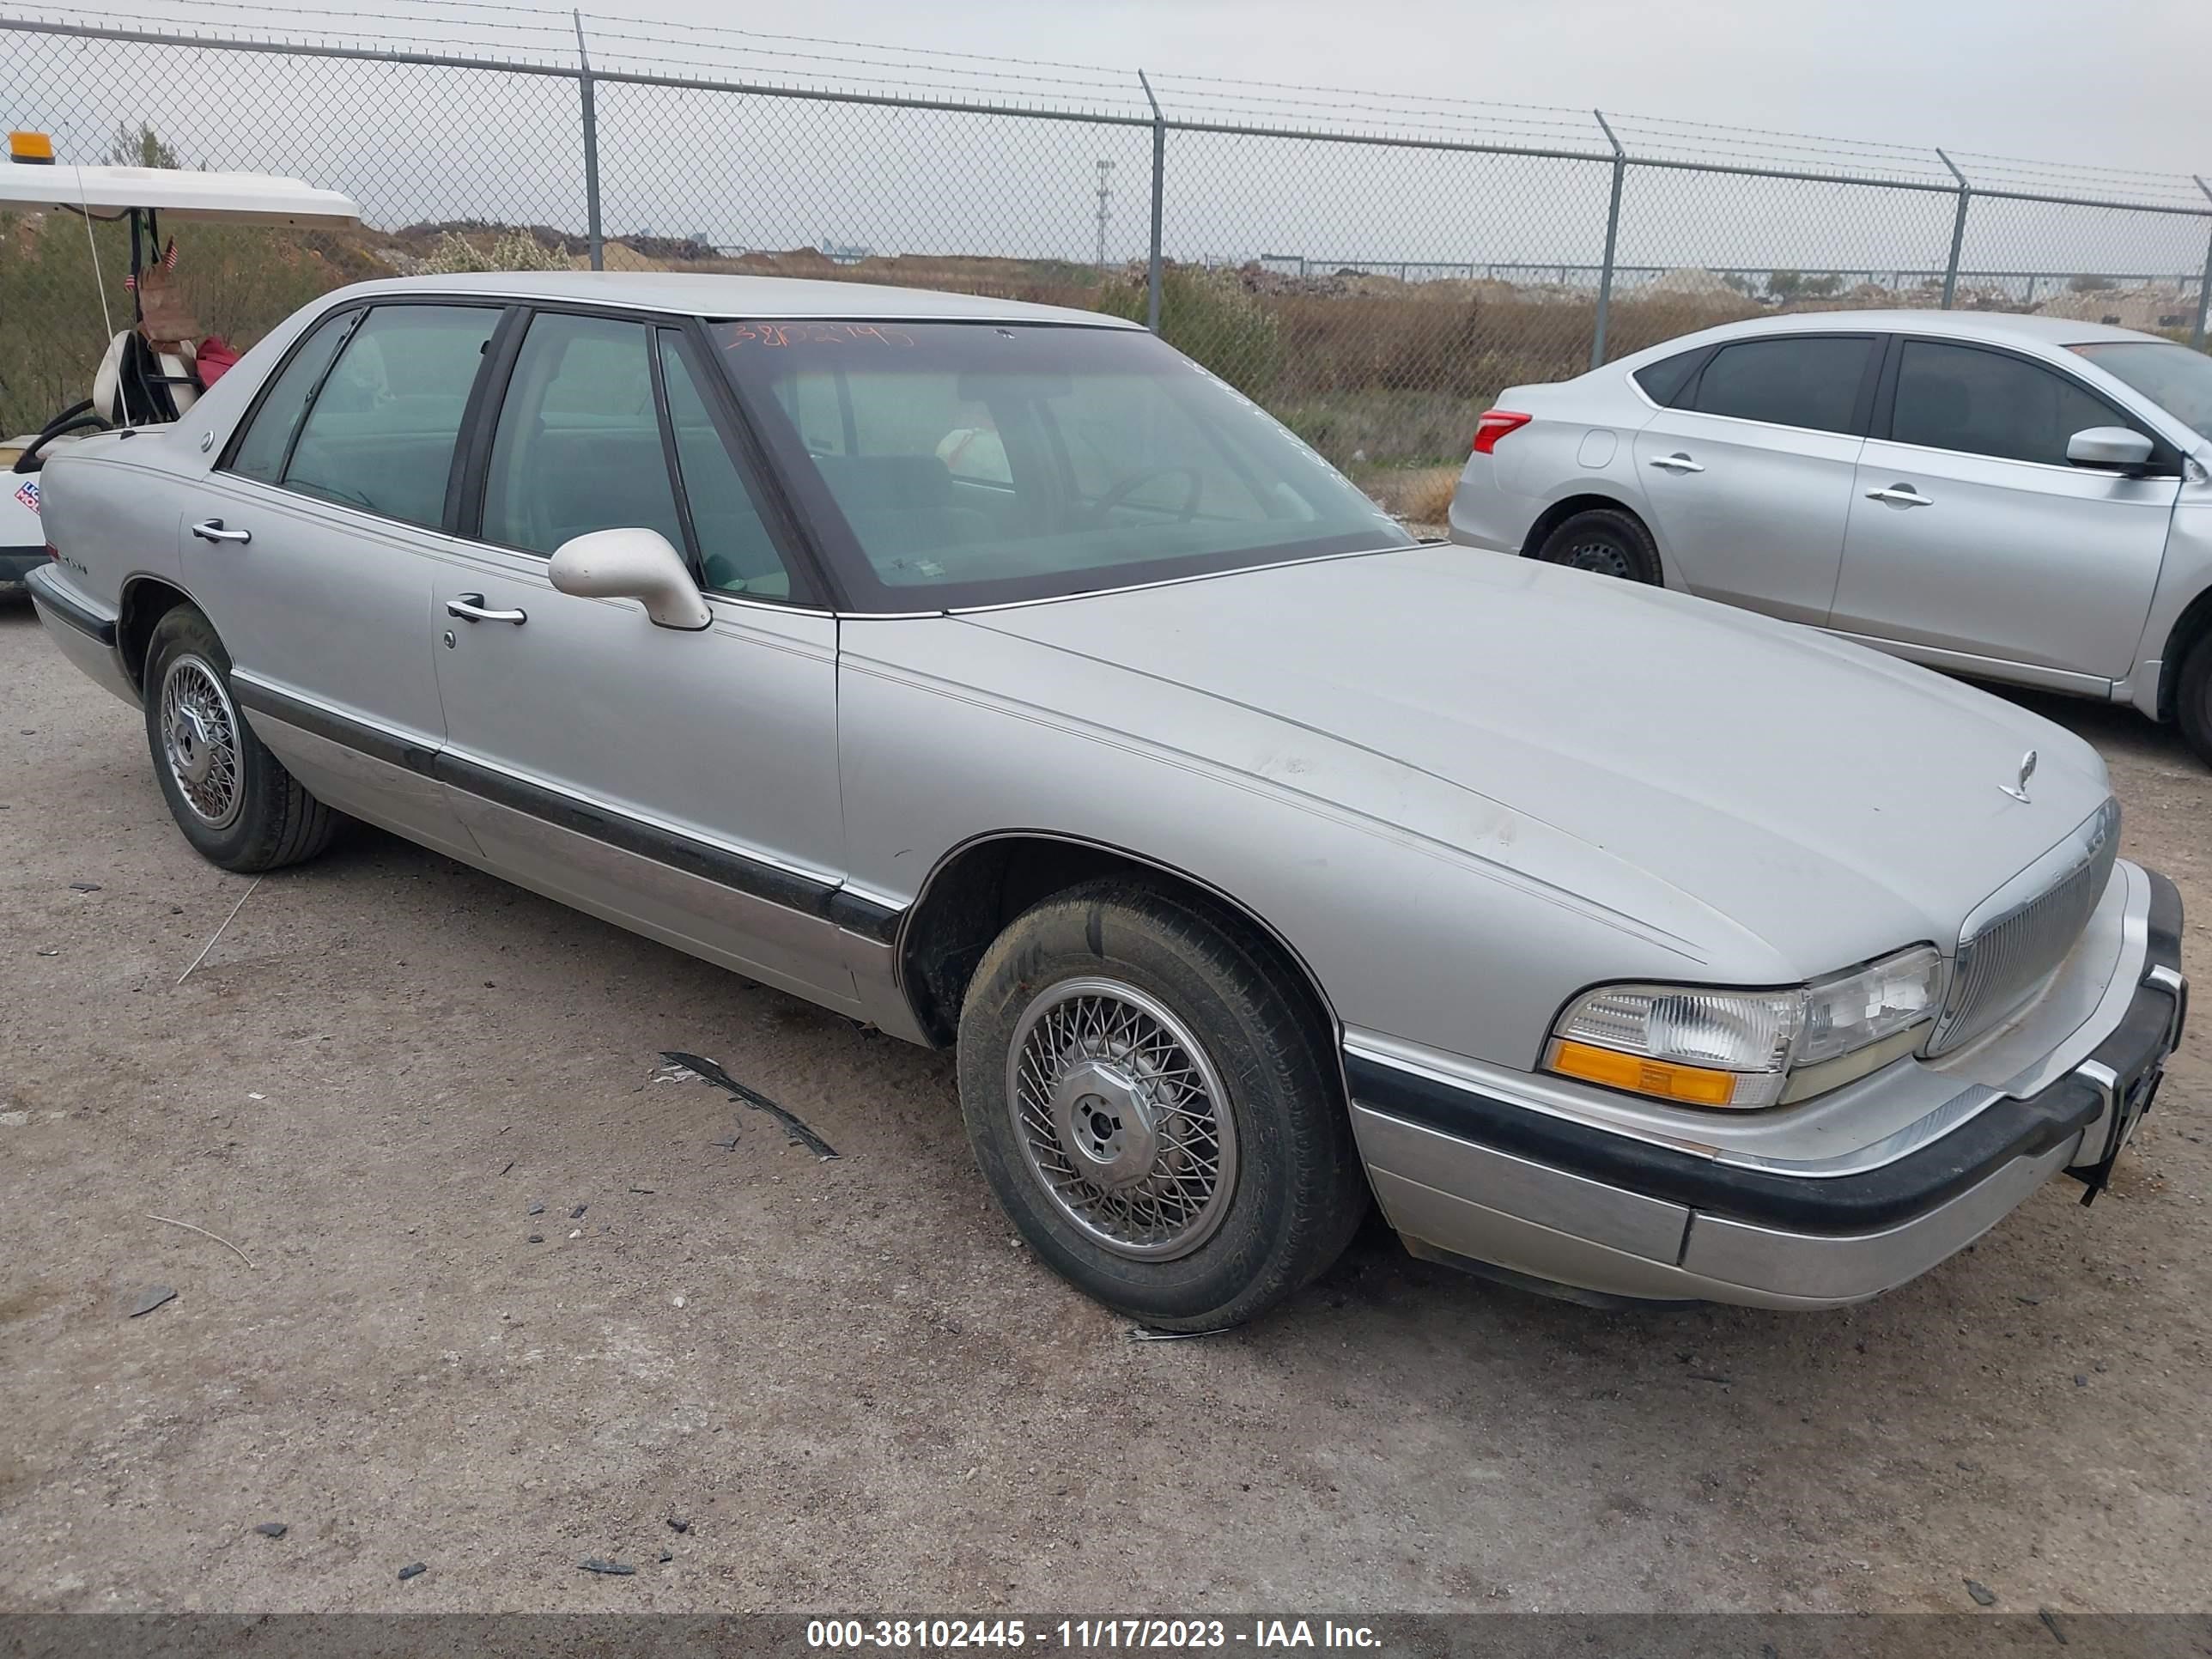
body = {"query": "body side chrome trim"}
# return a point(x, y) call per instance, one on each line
point(806, 891)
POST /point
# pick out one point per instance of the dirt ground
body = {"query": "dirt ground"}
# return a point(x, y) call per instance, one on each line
point(844, 1377)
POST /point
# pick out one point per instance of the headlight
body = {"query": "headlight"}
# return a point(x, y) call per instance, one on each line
point(1745, 1049)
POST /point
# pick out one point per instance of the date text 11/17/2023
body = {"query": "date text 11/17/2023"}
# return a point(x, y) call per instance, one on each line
point(1089, 1635)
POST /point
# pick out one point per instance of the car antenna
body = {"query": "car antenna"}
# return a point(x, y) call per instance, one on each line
point(99, 277)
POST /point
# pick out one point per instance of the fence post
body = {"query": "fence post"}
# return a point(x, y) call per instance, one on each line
point(2204, 282)
point(591, 148)
point(1159, 192)
point(1612, 241)
point(1957, 233)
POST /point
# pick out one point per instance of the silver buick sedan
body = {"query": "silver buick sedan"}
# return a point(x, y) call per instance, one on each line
point(2023, 499)
point(997, 676)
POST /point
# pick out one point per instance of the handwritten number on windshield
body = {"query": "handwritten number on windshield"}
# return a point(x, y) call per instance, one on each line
point(792, 334)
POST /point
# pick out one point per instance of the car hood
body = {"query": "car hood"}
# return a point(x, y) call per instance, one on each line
point(1712, 772)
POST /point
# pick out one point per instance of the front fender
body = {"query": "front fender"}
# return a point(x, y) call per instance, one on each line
point(1423, 910)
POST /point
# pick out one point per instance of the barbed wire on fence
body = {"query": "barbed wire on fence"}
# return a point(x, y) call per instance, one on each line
point(1368, 264)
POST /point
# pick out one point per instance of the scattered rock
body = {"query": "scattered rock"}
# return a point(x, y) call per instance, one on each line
point(666, 1558)
point(84, 887)
point(152, 1297)
point(2080, 1381)
point(46, 952)
point(272, 1530)
point(577, 1214)
point(537, 1238)
point(677, 1524)
point(413, 1570)
point(618, 1569)
point(535, 1209)
point(1983, 1596)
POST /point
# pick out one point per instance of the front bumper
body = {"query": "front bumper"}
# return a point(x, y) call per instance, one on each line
point(1467, 1175)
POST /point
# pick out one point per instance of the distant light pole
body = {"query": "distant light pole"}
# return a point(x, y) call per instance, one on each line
point(1105, 194)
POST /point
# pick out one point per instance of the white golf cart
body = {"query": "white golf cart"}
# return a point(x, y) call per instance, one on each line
point(151, 371)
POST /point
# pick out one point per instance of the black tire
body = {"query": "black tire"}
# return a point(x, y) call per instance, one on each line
point(2192, 698)
point(1607, 540)
point(263, 817)
point(1291, 1190)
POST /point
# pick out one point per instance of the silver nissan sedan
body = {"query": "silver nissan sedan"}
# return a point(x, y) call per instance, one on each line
point(996, 675)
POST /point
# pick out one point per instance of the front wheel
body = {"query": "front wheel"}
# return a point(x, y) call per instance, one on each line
point(233, 798)
point(2192, 698)
point(1606, 541)
point(1156, 1108)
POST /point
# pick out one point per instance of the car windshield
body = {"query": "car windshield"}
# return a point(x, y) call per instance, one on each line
point(965, 463)
point(2176, 378)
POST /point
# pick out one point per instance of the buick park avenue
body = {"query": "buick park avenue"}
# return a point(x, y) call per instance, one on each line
point(997, 676)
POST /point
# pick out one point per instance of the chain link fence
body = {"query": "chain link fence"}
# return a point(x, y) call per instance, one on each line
point(1372, 269)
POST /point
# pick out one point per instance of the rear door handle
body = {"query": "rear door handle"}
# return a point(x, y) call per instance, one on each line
point(1676, 463)
point(211, 530)
point(1904, 495)
point(471, 608)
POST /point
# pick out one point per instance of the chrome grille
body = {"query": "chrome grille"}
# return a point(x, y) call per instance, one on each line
point(2016, 940)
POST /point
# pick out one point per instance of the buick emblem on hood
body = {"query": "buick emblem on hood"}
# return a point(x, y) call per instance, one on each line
point(2019, 790)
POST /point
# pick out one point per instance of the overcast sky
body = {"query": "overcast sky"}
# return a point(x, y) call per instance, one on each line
point(2122, 82)
point(2085, 84)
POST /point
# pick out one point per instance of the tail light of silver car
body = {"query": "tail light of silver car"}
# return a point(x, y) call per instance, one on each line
point(1494, 424)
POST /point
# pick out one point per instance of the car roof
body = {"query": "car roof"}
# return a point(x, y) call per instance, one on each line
point(2006, 327)
point(715, 295)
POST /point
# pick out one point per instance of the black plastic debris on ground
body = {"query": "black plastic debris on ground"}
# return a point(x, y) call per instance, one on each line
point(715, 1076)
point(413, 1570)
point(678, 1524)
point(1983, 1596)
point(153, 1297)
point(618, 1569)
point(272, 1530)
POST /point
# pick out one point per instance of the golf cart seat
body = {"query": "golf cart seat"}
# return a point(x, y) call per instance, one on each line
point(137, 385)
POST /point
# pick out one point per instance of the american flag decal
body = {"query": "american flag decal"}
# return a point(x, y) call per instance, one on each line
point(27, 493)
point(168, 263)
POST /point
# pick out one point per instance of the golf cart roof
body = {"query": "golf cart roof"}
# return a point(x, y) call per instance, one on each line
point(258, 198)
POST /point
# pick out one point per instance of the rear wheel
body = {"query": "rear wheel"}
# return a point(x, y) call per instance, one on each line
point(233, 798)
point(2192, 698)
point(1606, 541)
point(1155, 1107)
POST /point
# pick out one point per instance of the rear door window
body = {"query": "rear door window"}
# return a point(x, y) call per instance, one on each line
point(380, 435)
point(1990, 402)
point(1803, 381)
point(260, 452)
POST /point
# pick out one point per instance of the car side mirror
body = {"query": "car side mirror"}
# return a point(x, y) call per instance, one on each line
point(631, 564)
point(2109, 446)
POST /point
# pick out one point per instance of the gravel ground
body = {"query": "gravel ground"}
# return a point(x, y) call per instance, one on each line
point(844, 1377)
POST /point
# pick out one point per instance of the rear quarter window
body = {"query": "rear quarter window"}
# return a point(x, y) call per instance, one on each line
point(1662, 382)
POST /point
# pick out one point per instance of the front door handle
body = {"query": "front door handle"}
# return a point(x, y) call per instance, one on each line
point(470, 607)
point(1676, 463)
point(1904, 495)
point(211, 530)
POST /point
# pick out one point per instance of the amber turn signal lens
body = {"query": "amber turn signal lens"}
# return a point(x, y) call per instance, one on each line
point(36, 147)
point(1693, 1085)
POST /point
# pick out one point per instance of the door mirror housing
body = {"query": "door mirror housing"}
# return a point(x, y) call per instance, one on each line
point(632, 564)
point(2109, 446)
